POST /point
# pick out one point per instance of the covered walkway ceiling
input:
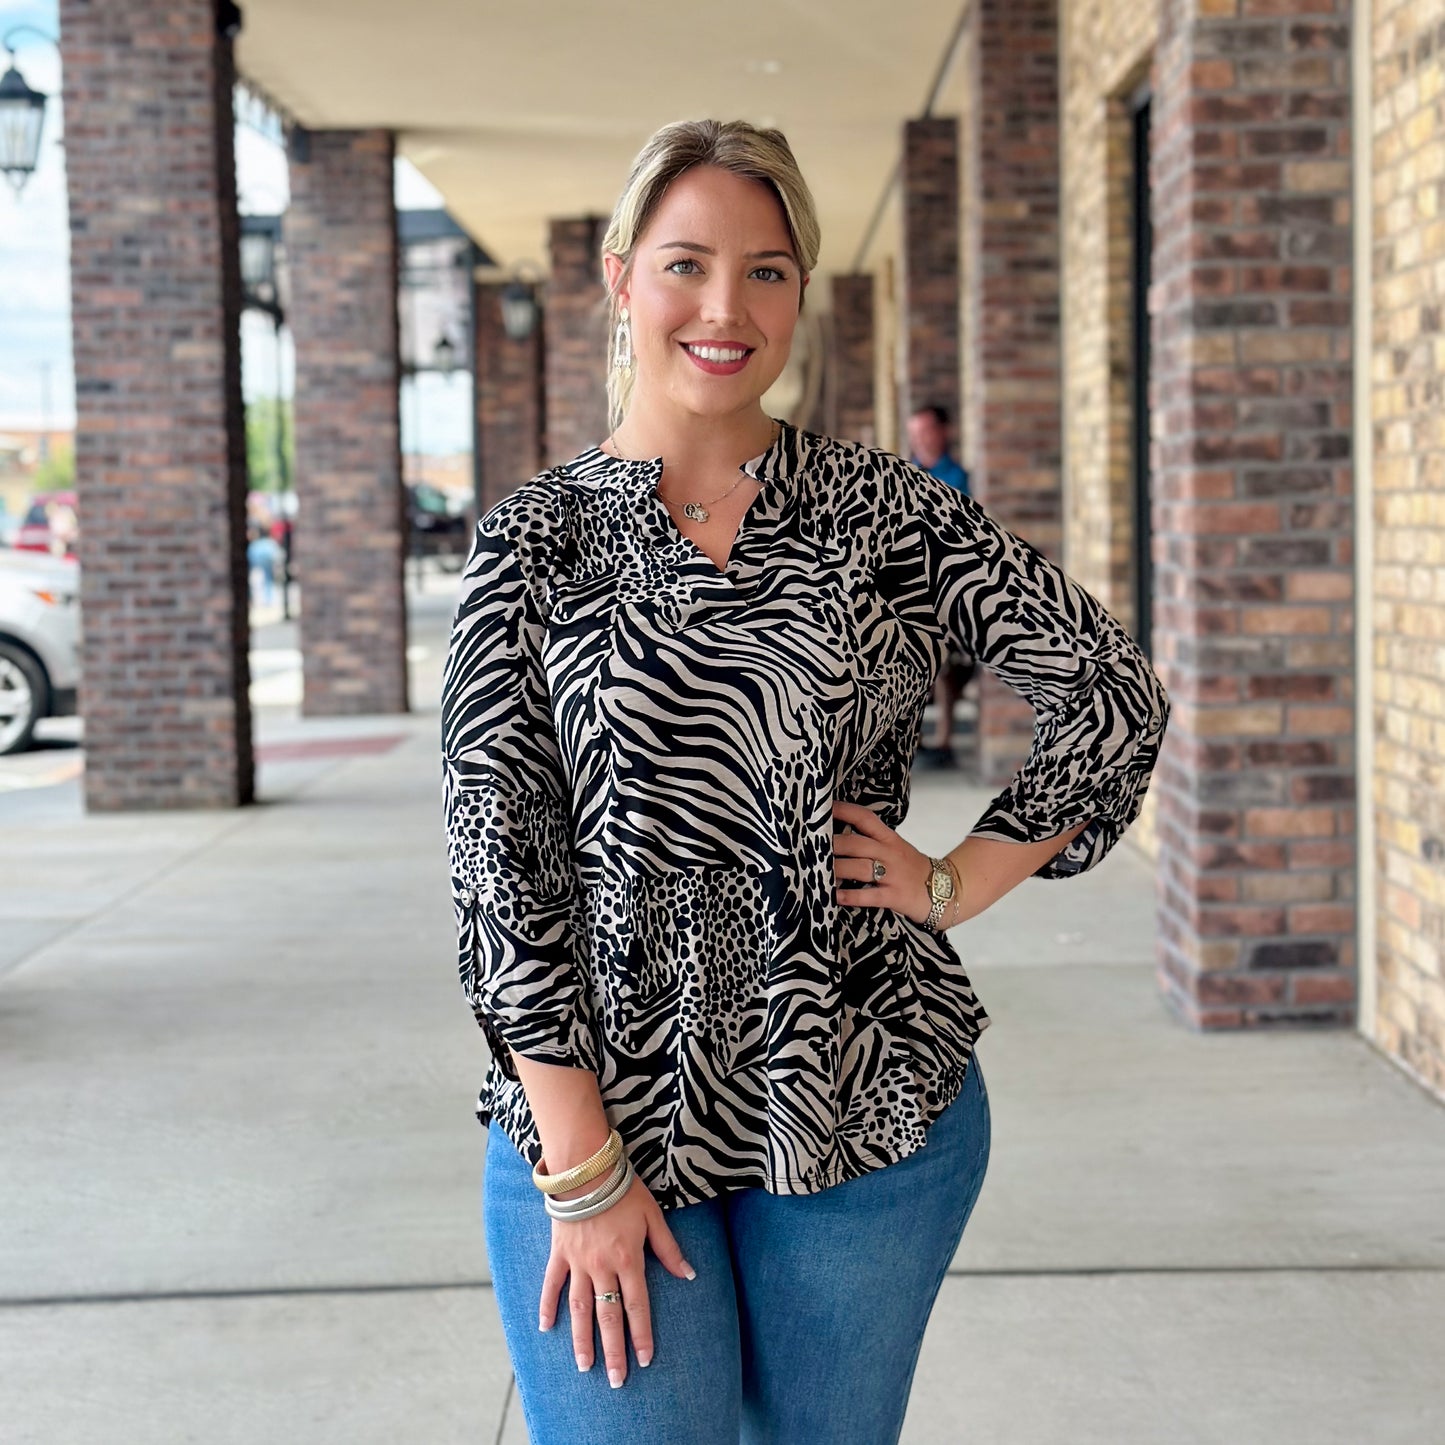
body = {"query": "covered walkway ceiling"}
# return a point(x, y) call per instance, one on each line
point(519, 112)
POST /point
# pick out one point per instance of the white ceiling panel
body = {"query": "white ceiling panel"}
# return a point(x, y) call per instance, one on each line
point(521, 112)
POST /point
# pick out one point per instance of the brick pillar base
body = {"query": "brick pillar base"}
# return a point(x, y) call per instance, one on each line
point(509, 398)
point(851, 361)
point(1012, 238)
point(576, 339)
point(350, 527)
point(160, 435)
point(1253, 517)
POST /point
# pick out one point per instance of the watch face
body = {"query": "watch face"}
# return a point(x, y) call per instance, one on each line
point(940, 883)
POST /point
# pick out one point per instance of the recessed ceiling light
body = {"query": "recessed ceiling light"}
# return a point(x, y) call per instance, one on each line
point(764, 67)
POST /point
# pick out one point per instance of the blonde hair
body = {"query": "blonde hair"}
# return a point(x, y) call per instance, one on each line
point(732, 145)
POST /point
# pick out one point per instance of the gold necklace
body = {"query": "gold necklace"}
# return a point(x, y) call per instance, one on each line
point(698, 511)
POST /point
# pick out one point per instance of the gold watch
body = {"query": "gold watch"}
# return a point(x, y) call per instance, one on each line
point(940, 890)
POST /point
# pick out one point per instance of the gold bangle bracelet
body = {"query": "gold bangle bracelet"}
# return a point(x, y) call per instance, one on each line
point(584, 1173)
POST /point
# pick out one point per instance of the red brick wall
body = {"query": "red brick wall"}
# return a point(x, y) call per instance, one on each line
point(930, 265)
point(160, 438)
point(576, 339)
point(349, 544)
point(509, 398)
point(1012, 270)
point(851, 360)
point(1253, 515)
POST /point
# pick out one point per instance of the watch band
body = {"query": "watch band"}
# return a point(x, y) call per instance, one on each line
point(938, 905)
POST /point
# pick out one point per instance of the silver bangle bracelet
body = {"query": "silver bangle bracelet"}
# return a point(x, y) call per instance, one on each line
point(603, 1196)
point(598, 1202)
point(562, 1208)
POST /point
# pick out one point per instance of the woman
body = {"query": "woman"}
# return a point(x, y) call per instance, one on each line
point(686, 679)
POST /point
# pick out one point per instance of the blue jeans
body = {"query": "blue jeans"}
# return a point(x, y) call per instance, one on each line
point(804, 1322)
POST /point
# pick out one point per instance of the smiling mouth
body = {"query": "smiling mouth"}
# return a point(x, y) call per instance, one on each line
point(718, 355)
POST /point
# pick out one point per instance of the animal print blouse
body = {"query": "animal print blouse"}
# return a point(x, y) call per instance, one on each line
point(641, 754)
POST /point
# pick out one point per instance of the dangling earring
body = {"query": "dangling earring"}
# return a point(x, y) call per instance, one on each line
point(622, 344)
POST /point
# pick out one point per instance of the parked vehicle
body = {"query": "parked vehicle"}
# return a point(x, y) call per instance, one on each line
point(39, 643)
point(437, 525)
point(51, 525)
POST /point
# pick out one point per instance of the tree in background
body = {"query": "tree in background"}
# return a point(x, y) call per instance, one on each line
point(266, 471)
point(57, 472)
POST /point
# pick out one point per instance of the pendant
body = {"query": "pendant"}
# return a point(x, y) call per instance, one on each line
point(695, 510)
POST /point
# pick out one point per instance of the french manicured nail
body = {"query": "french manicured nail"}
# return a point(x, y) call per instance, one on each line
point(616, 1377)
point(691, 1272)
point(584, 1365)
point(645, 1358)
point(543, 1326)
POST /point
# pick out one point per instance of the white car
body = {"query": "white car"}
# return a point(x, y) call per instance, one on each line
point(39, 643)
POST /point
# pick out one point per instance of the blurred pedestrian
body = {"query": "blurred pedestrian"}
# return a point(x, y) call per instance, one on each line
point(262, 554)
point(928, 437)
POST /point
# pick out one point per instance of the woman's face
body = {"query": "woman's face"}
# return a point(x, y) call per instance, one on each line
point(713, 295)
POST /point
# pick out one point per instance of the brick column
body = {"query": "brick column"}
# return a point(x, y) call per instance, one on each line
point(160, 434)
point(1407, 378)
point(1012, 420)
point(851, 360)
point(509, 398)
point(350, 527)
point(576, 338)
point(1253, 518)
point(930, 265)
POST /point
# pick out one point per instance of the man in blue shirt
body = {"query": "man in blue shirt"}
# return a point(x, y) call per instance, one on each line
point(928, 439)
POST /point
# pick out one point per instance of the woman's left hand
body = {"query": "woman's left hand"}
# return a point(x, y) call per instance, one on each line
point(904, 884)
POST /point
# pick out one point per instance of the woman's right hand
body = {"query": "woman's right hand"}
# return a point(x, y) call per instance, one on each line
point(605, 1254)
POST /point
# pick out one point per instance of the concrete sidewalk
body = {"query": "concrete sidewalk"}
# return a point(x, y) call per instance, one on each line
point(239, 1175)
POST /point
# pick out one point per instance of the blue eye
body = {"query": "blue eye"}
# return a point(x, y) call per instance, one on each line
point(770, 273)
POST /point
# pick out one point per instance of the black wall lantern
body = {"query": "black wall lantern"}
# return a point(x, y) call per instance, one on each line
point(22, 114)
point(518, 300)
point(260, 248)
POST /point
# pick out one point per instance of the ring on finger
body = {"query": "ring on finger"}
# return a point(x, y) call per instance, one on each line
point(879, 869)
point(609, 1297)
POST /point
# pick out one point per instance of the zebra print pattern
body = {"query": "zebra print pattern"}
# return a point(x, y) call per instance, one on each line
point(641, 757)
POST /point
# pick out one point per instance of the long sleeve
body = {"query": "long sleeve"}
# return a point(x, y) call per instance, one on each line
point(515, 889)
point(1100, 710)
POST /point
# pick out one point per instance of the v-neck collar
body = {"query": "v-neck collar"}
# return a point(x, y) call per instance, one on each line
point(773, 468)
point(647, 519)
